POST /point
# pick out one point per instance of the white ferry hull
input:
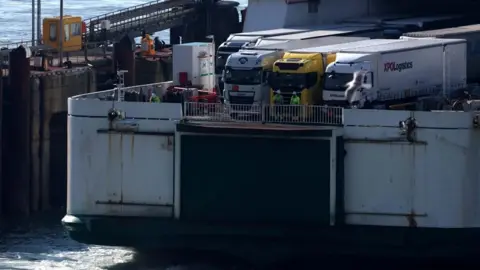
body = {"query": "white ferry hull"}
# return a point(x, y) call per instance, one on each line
point(361, 187)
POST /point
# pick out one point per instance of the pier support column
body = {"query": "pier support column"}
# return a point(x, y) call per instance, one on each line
point(1, 141)
point(18, 186)
point(125, 57)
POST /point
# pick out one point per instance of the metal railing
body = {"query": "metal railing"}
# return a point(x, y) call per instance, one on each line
point(90, 52)
point(280, 114)
point(112, 94)
point(16, 44)
point(148, 7)
point(235, 113)
point(153, 21)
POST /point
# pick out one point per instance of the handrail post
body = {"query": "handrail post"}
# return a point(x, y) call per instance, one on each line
point(263, 111)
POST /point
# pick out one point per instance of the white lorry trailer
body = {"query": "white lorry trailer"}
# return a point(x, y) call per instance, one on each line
point(246, 72)
point(397, 71)
point(369, 31)
point(395, 28)
point(471, 33)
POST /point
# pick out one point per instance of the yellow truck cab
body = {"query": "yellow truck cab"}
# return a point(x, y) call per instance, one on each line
point(301, 73)
point(72, 33)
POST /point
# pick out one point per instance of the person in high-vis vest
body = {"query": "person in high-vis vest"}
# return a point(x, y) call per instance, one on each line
point(148, 48)
point(154, 98)
point(295, 100)
point(278, 101)
point(278, 98)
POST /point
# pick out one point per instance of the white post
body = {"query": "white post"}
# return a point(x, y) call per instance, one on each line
point(211, 68)
point(39, 20)
point(444, 79)
point(121, 84)
point(60, 36)
point(33, 22)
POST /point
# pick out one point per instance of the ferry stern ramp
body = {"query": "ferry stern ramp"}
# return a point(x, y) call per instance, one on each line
point(279, 183)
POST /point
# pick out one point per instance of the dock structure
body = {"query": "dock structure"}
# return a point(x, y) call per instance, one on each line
point(34, 134)
point(34, 93)
point(152, 17)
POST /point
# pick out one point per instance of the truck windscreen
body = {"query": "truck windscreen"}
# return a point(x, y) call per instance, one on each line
point(243, 76)
point(282, 80)
point(337, 81)
point(288, 80)
point(222, 55)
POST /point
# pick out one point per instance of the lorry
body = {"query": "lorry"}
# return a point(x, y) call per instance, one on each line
point(395, 28)
point(397, 72)
point(302, 70)
point(246, 72)
point(265, 37)
point(236, 41)
point(471, 33)
point(365, 30)
point(376, 19)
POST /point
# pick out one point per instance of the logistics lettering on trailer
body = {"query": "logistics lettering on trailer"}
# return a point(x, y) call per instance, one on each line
point(393, 66)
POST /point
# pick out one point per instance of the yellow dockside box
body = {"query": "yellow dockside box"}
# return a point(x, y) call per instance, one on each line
point(72, 33)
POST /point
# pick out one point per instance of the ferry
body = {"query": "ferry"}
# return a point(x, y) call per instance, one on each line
point(342, 180)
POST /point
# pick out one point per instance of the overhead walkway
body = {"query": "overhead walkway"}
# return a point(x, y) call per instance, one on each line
point(152, 16)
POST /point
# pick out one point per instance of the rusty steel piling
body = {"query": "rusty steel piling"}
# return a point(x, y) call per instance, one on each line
point(125, 58)
point(50, 92)
point(1, 140)
point(18, 186)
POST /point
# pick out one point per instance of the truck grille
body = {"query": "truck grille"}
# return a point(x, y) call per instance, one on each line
point(241, 100)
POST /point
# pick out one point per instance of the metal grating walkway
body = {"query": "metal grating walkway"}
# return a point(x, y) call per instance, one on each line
point(152, 16)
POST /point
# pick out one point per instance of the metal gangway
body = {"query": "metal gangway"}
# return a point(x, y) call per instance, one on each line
point(153, 16)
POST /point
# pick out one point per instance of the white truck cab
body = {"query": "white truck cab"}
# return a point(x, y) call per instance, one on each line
point(340, 72)
point(246, 76)
point(232, 45)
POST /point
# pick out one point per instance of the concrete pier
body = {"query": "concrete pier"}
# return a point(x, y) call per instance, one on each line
point(35, 134)
point(17, 183)
point(152, 70)
point(125, 58)
point(1, 141)
point(50, 92)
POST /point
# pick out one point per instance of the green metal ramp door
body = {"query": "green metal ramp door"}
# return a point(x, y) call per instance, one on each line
point(255, 180)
